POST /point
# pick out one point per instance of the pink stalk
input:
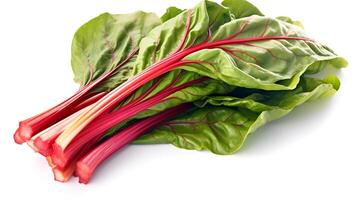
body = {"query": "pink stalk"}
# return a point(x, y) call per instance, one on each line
point(97, 129)
point(49, 161)
point(87, 164)
point(107, 103)
point(63, 175)
point(89, 101)
point(17, 138)
point(42, 142)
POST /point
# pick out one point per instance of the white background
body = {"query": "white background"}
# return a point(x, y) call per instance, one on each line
point(310, 154)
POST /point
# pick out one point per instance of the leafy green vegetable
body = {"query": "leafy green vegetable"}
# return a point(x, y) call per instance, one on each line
point(222, 123)
point(224, 70)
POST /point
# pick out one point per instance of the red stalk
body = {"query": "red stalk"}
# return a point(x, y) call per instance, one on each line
point(187, 30)
point(42, 142)
point(63, 175)
point(50, 162)
point(87, 164)
point(17, 138)
point(89, 101)
point(31, 126)
point(95, 130)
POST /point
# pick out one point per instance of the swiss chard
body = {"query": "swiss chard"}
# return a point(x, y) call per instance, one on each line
point(239, 68)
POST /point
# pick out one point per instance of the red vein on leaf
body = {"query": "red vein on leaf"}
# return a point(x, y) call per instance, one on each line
point(266, 49)
point(245, 24)
point(91, 69)
point(231, 52)
point(187, 30)
point(208, 36)
point(265, 27)
point(110, 47)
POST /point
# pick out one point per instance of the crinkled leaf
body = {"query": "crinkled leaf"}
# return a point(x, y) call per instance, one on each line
point(318, 66)
point(222, 123)
point(165, 39)
point(241, 8)
point(106, 41)
point(269, 64)
point(171, 12)
point(290, 21)
point(217, 15)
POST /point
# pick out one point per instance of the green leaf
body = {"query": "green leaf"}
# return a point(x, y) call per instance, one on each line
point(318, 66)
point(217, 15)
point(167, 38)
point(171, 12)
point(268, 64)
point(106, 41)
point(241, 8)
point(222, 123)
point(290, 21)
